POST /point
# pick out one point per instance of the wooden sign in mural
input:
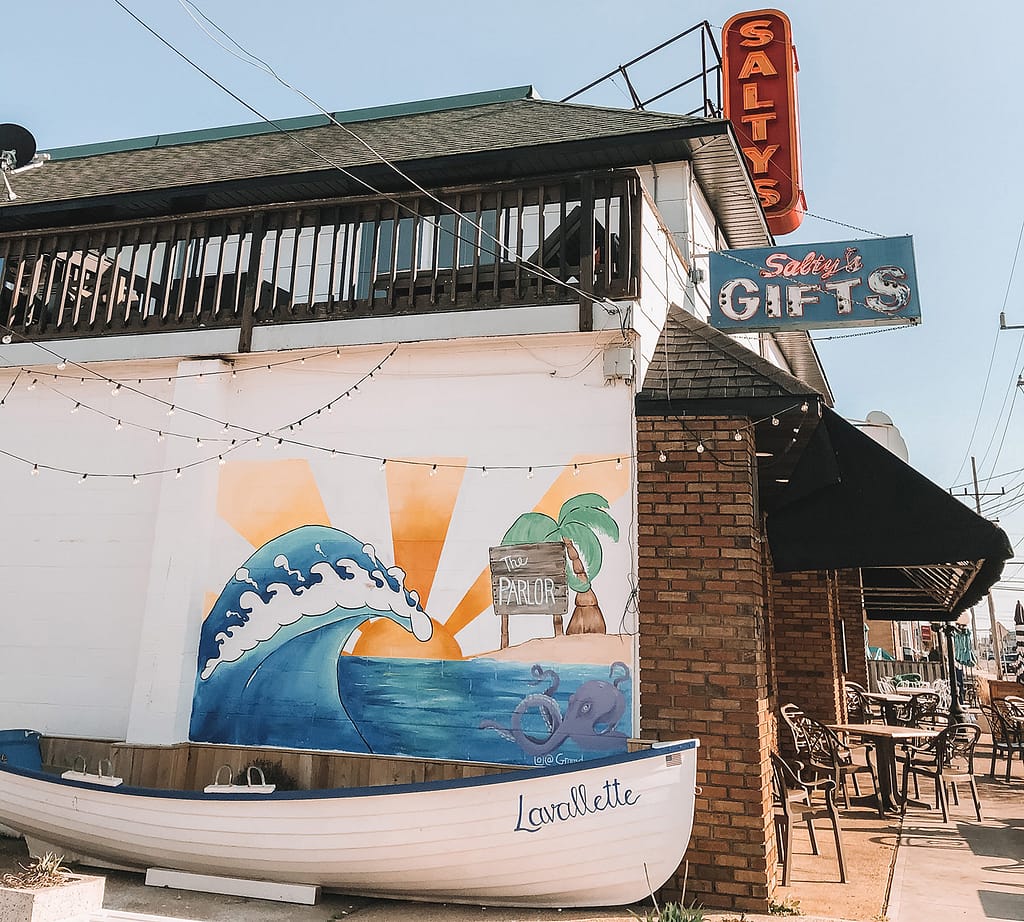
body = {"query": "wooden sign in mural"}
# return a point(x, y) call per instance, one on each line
point(528, 579)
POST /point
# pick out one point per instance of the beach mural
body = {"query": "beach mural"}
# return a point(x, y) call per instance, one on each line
point(322, 639)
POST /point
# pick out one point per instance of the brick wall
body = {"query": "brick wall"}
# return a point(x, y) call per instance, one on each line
point(703, 648)
point(805, 618)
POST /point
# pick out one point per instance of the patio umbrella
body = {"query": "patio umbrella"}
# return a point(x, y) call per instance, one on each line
point(963, 647)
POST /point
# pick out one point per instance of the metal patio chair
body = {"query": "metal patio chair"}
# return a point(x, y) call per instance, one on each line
point(1007, 737)
point(794, 802)
point(946, 759)
point(824, 754)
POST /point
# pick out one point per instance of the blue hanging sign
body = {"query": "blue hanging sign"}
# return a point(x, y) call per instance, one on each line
point(853, 283)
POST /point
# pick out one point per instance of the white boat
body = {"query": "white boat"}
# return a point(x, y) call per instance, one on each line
point(605, 832)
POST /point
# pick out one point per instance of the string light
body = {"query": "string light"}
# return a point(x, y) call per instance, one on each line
point(618, 464)
point(118, 427)
point(61, 365)
point(483, 472)
point(775, 420)
point(433, 470)
point(76, 407)
point(116, 390)
point(221, 461)
point(177, 474)
point(383, 463)
point(737, 436)
point(170, 411)
point(135, 480)
point(160, 436)
point(575, 470)
point(8, 339)
point(35, 470)
point(32, 386)
point(529, 474)
point(83, 478)
point(700, 448)
point(804, 407)
point(662, 457)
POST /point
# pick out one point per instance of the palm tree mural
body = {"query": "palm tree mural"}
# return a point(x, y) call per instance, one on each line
point(580, 520)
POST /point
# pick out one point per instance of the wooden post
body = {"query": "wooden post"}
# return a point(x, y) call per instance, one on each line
point(252, 282)
point(586, 253)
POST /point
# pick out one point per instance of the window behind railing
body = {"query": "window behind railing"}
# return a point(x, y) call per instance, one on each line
point(476, 248)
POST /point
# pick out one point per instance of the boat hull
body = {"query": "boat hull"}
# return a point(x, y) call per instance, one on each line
point(599, 833)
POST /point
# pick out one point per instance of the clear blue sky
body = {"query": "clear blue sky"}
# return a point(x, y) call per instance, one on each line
point(908, 120)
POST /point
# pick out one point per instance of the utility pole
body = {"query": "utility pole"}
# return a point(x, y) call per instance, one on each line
point(996, 646)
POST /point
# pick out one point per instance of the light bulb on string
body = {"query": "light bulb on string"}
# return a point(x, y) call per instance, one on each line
point(32, 386)
point(35, 470)
point(662, 457)
point(116, 390)
point(575, 470)
point(8, 339)
point(160, 436)
point(135, 480)
point(804, 407)
point(177, 474)
point(118, 427)
point(170, 410)
point(61, 365)
point(330, 408)
point(529, 474)
point(737, 436)
point(278, 444)
point(700, 448)
point(220, 460)
point(383, 464)
point(775, 420)
point(199, 441)
point(433, 470)
point(83, 478)
point(618, 464)
point(76, 407)
point(483, 472)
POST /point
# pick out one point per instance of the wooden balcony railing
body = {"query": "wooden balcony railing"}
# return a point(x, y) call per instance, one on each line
point(494, 246)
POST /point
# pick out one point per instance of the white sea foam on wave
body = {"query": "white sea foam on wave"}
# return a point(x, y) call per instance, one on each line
point(286, 606)
point(281, 561)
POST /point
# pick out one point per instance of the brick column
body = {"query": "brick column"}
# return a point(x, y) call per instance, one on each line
point(851, 612)
point(805, 617)
point(703, 648)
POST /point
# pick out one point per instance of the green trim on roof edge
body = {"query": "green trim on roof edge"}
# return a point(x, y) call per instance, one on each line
point(299, 123)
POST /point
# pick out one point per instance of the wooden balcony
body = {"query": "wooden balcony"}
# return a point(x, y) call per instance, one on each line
point(476, 248)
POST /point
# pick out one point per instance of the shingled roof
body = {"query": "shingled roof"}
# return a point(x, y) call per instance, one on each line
point(506, 134)
point(695, 362)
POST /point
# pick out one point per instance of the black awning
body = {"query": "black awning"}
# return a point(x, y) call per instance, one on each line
point(851, 503)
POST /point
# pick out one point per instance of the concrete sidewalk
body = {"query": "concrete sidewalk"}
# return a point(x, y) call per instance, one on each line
point(963, 870)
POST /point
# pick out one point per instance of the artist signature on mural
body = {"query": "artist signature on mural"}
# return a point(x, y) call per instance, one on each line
point(579, 803)
point(555, 758)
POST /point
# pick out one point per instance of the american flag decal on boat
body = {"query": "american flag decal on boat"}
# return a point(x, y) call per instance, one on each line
point(676, 758)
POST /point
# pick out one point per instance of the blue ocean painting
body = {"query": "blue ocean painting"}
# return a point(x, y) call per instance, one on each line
point(457, 709)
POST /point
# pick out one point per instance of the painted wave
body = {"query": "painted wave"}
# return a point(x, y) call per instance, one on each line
point(268, 651)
